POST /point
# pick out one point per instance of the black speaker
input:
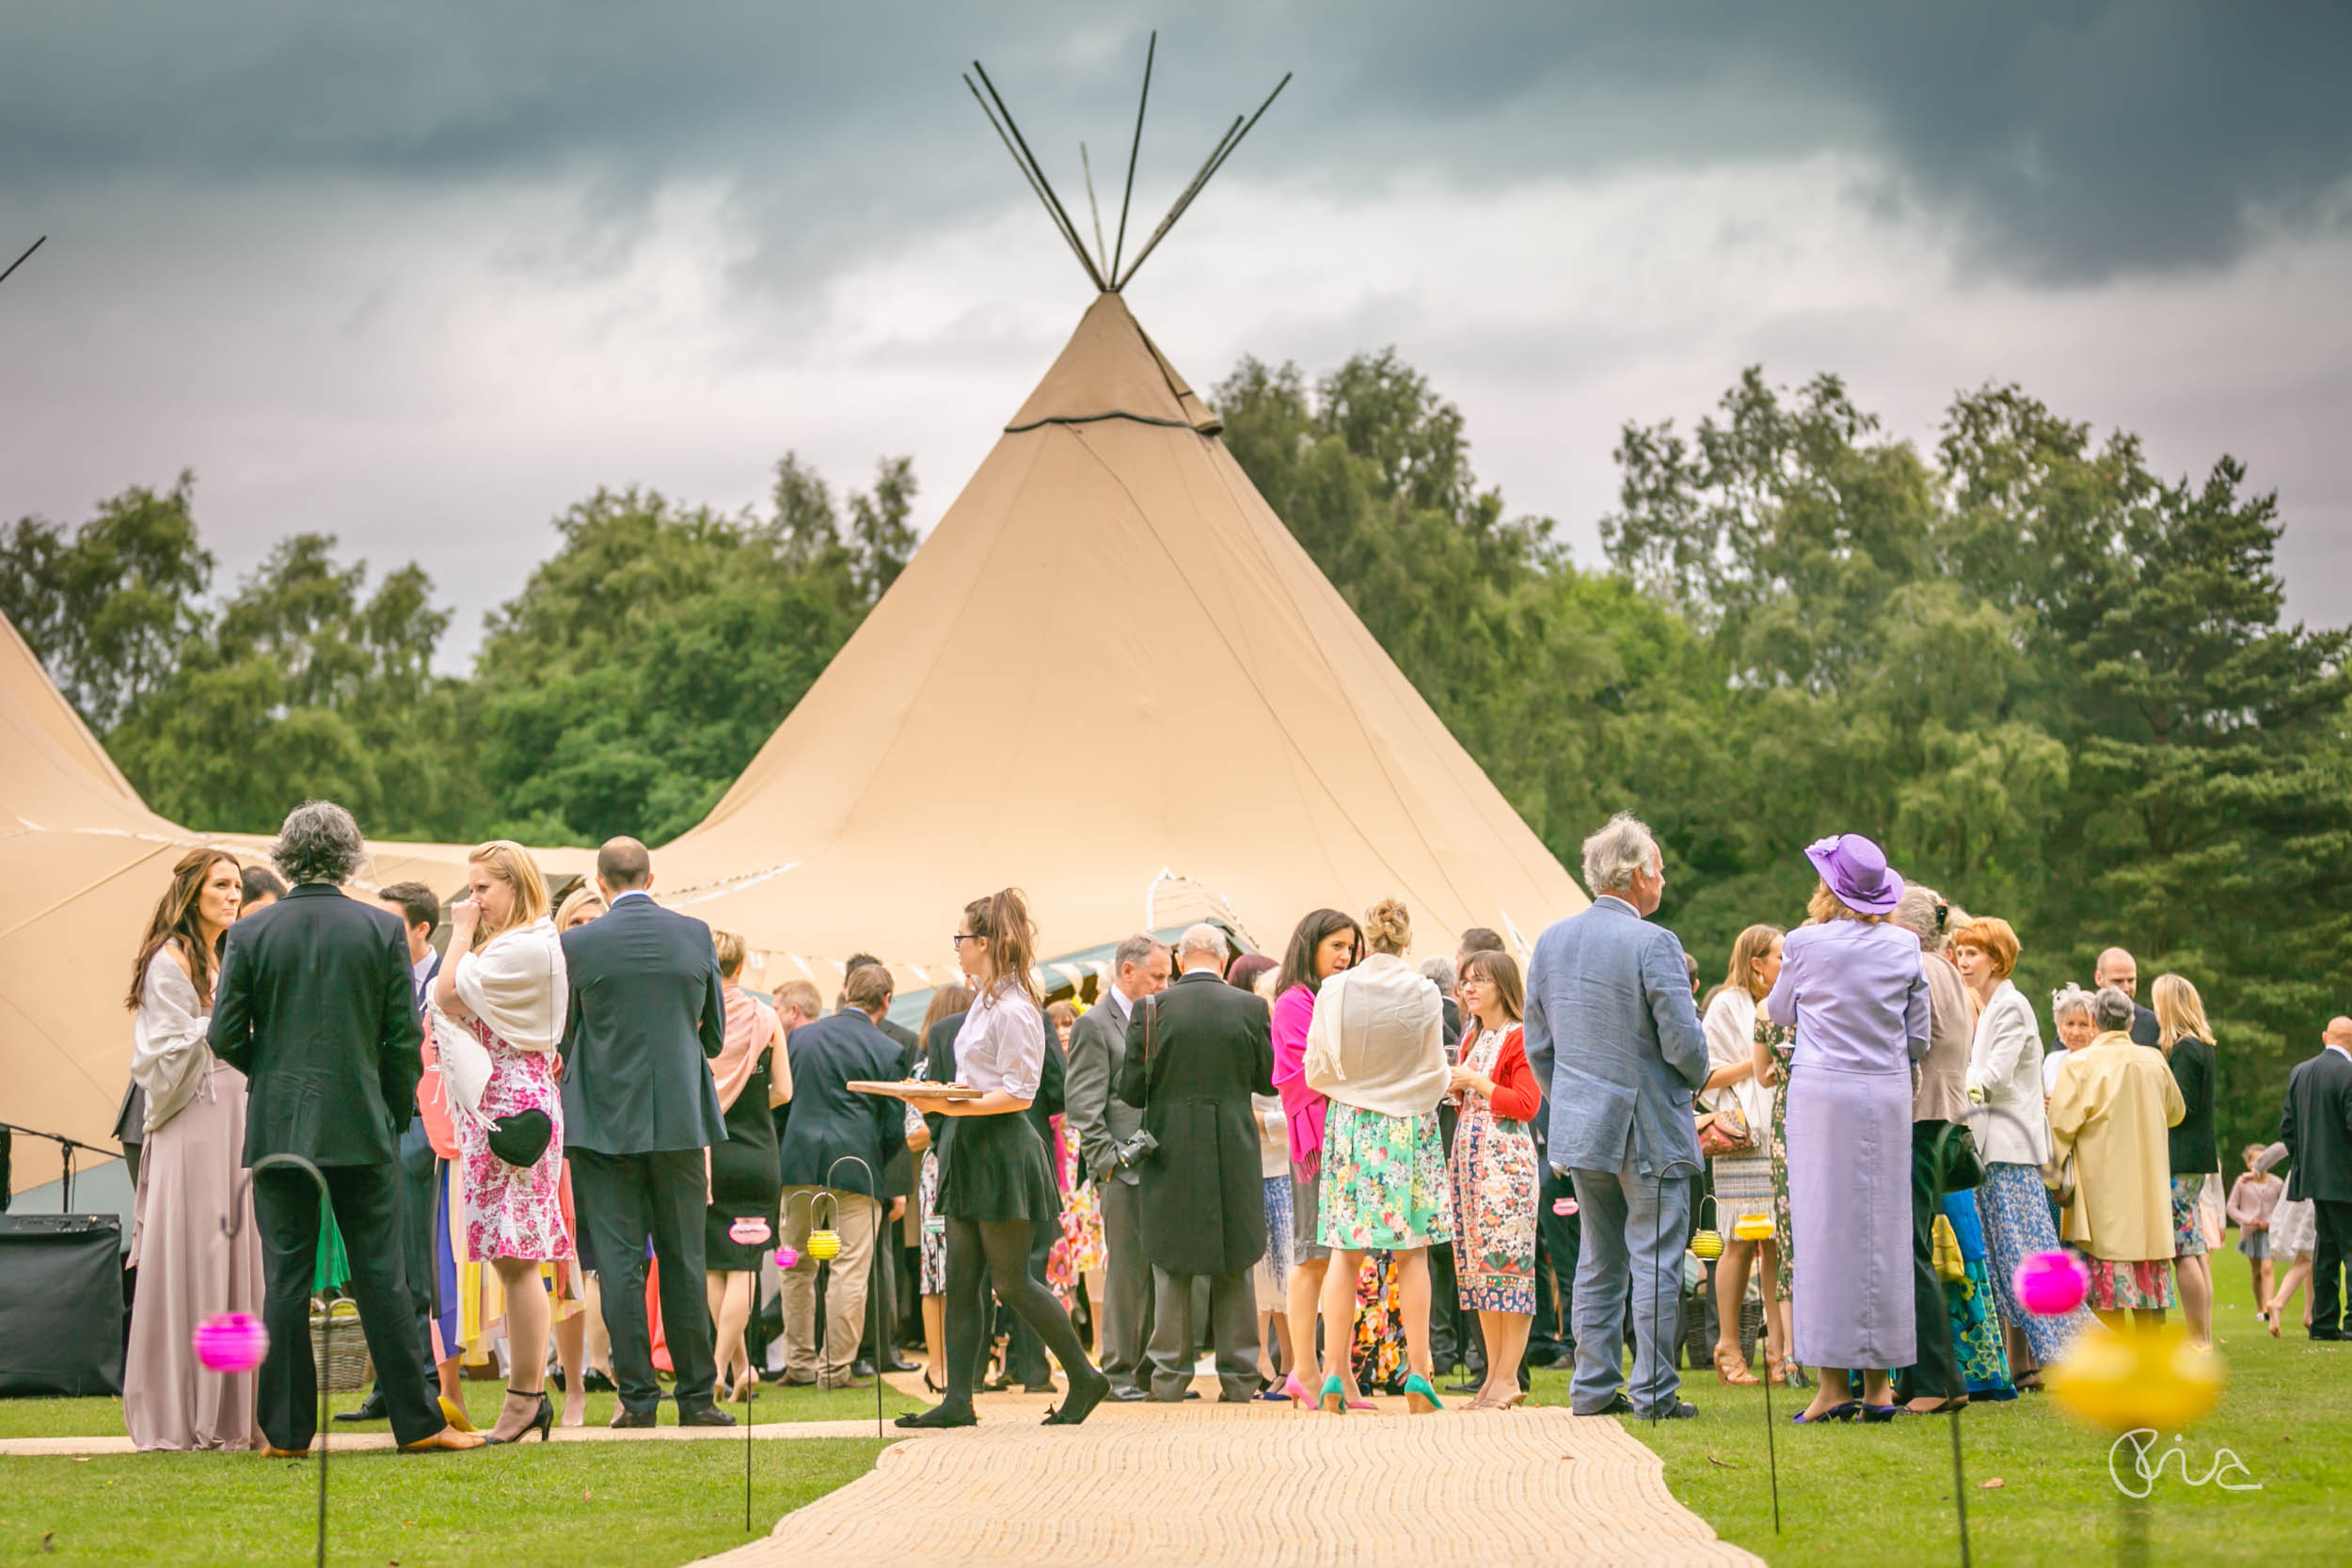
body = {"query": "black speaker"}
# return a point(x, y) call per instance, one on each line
point(60, 1305)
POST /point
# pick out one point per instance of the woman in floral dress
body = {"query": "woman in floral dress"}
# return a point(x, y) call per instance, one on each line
point(1376, 1051)
point(1774, 1045)
point(1495, 1179)
point(501, 994)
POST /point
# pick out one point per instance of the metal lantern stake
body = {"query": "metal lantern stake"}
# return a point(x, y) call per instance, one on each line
point(824, 1244)
point(229, 1225)
point(1756, 1228)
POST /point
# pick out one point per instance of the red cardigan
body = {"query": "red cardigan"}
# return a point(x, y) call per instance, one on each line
point(1516, 1096)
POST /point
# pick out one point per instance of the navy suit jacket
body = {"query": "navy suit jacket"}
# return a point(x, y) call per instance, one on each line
point(829, 1120)
point(645, 1017)
point(1616, 1042)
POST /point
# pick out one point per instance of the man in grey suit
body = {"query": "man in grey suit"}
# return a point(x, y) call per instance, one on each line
point(640, 1108)
point(1101, 1124)
point(1613, 1038)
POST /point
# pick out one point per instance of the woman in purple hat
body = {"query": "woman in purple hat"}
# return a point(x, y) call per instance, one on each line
point(1851, 986)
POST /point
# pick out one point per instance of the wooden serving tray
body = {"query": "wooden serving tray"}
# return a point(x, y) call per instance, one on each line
point(915, 1088)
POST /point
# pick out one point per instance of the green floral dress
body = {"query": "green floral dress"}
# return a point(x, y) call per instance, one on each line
point(1384, 1182)
point(1782, 1043)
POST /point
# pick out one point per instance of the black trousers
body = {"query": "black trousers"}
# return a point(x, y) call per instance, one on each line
point(1559, 1239)
point(2331, 1251)
point(621, 1200)
point(419, 1167)
point(367, 1208)
point(1933, 1376)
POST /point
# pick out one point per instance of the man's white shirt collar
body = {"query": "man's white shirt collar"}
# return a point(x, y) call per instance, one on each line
point(632, 893)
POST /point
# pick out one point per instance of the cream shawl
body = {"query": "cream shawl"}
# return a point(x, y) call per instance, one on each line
point(1378, 1042)
point(169, 1059)
point(517, 986)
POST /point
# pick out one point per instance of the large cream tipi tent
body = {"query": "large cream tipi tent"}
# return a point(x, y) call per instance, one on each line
point(1112, 678)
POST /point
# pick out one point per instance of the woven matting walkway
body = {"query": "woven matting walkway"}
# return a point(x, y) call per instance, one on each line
point(1202, 1484)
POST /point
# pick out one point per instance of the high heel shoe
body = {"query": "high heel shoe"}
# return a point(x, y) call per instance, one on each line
point(1420, 1398)
point(1296, 1393)
point(454, 1414)
point(542, 1420)
point(1731, 1370)
point(1334, 1400)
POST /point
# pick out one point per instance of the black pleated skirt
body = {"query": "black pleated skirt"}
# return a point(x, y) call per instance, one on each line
point(994, 1168)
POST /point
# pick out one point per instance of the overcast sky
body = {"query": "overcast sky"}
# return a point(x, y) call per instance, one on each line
point(422, 275)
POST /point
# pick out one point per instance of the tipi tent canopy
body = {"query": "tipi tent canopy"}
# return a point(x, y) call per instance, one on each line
point(1112, 678)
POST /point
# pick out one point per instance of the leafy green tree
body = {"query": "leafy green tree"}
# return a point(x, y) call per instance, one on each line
point(107, 606)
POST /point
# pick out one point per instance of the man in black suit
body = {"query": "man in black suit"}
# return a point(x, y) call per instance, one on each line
point(1101, 1123)
point(1195, 1052)
point(831, 1123)
point(2117, 968)
point(418, 911)
point(645, 1017)
point(897, 1183)
point(2316, 1127)
point(316, 1006)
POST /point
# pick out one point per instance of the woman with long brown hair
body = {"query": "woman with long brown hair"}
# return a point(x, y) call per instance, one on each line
point(498, 1002)
point(949, 1001)
point(190, 1177)
point(996, 1181)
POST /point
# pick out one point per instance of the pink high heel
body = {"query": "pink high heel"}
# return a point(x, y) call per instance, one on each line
point(1295, 1393)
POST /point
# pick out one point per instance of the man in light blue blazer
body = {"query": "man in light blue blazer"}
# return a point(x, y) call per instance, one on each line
point(1615, 1038)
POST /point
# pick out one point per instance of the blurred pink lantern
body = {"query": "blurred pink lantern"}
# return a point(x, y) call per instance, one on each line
point(231, 1342)
point(748, 1232)
point(2052, 1284)
point(1564, 1206)
point(788, 1258)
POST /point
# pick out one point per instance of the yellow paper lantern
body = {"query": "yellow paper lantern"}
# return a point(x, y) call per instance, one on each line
point(1708, 1244)
point(824, 1245)
point(1752, 1227)
point(2133, 1378)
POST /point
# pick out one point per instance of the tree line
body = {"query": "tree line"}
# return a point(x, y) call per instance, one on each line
point(2055, 684)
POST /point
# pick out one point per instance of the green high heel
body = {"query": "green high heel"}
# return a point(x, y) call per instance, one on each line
point(1334, 1399)
point(1420, 1398)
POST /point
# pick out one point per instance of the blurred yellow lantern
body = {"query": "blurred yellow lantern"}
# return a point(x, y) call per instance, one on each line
point(1752, 1227)
point(2131, 1378)
point(824, 1245)
point(1708, 1244)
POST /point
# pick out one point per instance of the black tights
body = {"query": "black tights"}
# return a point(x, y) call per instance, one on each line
point(985, 1252)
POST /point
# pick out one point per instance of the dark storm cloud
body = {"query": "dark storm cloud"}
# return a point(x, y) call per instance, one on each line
point(2064, 143)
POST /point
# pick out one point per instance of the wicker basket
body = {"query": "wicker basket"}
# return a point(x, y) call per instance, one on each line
point(344, 1367)
point(1698, 1351)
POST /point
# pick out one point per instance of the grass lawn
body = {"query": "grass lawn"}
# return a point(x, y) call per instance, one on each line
point(103, 1417)
point(612, 1505)
point(1884, 1494)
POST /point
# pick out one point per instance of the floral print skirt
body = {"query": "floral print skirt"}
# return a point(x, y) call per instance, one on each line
point(2189, 1237)
point(2129, 1286)
point(2014, 1209)
point(1384, 1181)
point(1494, 1203)
point(513, 1211)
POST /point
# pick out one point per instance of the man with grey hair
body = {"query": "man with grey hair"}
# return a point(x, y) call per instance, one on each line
point(1613, 1037)
point(1102, 1126)
point(1195, 1055)
point(316, 1006)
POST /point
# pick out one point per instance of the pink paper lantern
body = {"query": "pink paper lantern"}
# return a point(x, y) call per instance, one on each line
point(231, 1342)
point(2052, 1284)
point(749, 1231)
point(788, 1258)
point(1564, 1206)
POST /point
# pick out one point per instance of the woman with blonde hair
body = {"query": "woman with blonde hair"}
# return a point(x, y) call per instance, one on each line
point(2192, 1151)
point(753, 1076)
point(1741, 1108)
point(997, 1180)
point(190, 1180)
point(1376, 1051)
point(2253, 1199)
point(498, 1004)
point(2012, 1135)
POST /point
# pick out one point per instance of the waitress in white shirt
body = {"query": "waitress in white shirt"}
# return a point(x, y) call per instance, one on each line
point(996, 1179)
